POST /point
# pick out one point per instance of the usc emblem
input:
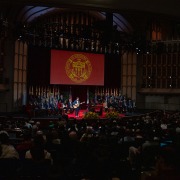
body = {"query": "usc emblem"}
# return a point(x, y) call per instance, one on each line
point(78, 68)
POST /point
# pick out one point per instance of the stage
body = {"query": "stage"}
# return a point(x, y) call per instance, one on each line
point(83, 112)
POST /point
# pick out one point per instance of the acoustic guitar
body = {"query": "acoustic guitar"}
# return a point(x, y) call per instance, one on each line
point(77, 105)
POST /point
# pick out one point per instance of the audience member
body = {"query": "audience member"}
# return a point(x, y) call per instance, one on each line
point(25, 144)
point(167, 166)
point(38, 152)
point(28, 125)
point(6, 149)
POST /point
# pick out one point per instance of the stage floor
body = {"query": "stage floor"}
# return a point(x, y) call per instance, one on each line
point(83, 112)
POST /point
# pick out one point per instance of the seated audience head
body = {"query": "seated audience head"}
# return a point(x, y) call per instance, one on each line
point(73, 135)
point(4, 137)
point(168, 159)
point(37, 150)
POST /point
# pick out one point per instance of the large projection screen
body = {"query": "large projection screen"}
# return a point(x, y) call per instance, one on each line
point(76, 68)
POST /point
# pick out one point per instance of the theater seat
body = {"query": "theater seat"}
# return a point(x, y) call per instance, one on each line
point(9, 168)
point(149, 155)
point(35, 169)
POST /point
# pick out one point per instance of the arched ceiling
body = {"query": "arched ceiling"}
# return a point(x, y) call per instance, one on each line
point(31, 9)
point(152, 6)
point(30, 13)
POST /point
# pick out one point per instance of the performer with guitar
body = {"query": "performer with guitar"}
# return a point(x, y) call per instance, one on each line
point(76, 107)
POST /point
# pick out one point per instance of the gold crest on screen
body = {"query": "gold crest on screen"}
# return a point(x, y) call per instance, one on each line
point(78, 68)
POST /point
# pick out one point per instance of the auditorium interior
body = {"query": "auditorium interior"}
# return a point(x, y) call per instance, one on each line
point(121, 59)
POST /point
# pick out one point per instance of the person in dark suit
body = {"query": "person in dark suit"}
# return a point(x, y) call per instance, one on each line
point(70, 106)
point(76, 107)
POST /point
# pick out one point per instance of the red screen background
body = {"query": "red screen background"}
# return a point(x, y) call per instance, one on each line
point(58, 72)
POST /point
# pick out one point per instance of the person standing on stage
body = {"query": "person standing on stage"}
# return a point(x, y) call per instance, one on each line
point(76, 107)
point(70, 106)
point(60, 107)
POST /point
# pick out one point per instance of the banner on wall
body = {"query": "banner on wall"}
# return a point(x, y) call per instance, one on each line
point(76, 68)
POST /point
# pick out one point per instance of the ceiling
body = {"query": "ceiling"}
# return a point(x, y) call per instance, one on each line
point(28, 10)
point(153, 6)
point(29, 13)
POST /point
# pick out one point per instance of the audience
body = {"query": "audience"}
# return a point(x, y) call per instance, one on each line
point(85, 147)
